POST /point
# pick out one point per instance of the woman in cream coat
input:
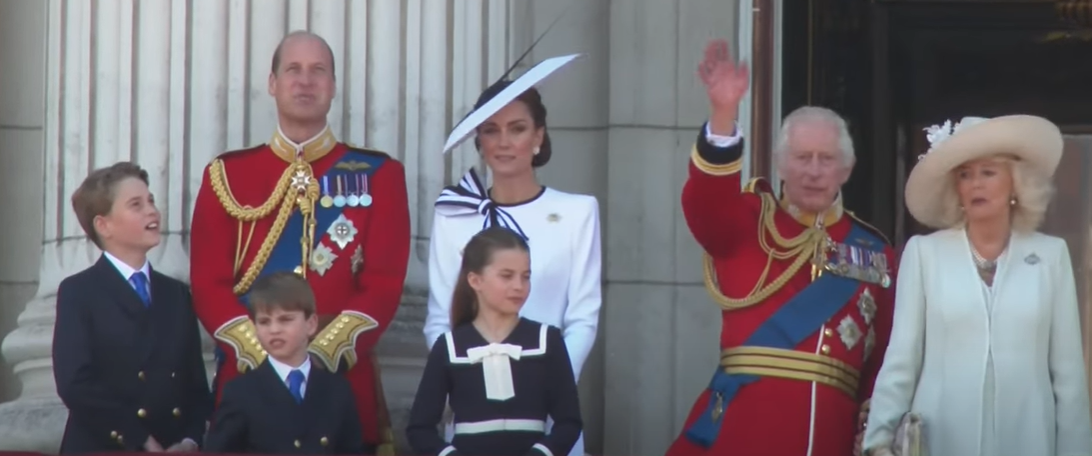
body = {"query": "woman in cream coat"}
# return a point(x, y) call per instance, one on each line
point(986, 343)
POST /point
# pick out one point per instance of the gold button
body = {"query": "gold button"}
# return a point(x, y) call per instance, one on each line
point(298, 271)
point(828, 332)
point(141, 413)
point(140, 375)
point(121, 440)
point(114, 435)
point(825, 349)
point(176, 412)
point(296, 443)
point(323, 441)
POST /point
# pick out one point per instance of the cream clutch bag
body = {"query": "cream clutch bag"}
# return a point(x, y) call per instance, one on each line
point(909, 436)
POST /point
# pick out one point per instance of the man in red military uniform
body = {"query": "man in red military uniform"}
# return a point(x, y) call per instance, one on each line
point(335, 214)
point(806, 288)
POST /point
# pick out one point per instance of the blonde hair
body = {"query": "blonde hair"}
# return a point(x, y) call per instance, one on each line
point(1033, 189)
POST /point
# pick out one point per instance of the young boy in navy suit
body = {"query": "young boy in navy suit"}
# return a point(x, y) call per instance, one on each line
point(126, 347)
point(287, 404)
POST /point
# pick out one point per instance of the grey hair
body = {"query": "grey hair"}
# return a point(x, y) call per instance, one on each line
point(302, 34)
point(1034, 192)
point(816, 114)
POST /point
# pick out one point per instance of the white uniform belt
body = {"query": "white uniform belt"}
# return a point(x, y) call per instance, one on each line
point(481, 427)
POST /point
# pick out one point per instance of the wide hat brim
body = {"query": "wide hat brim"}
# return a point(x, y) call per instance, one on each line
point(531, 78)
point(1030, 139)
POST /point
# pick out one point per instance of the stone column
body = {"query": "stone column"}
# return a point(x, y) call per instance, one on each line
point(172, 84)
point(661, 340)
point(114, 100)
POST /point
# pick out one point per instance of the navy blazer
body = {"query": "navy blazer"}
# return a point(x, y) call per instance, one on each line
point(126, 371)
point(258, 415)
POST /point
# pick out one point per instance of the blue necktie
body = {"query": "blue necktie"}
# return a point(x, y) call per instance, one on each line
point(140, 284)
point(295, 385)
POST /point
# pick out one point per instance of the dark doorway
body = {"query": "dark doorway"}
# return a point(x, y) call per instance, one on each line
point(892, 68)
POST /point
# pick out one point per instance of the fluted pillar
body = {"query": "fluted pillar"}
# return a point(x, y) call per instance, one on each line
point(172, 84)
point(112, 101)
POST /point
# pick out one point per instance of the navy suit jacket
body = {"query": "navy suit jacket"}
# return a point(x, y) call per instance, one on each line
point(258, 415)
point(126, 371)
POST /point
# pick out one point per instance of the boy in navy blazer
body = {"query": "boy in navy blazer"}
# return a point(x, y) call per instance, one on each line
point(288, 404)
point(126, 347)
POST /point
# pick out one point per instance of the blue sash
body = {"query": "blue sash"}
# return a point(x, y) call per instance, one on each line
point(790, 325)
point(285, 255)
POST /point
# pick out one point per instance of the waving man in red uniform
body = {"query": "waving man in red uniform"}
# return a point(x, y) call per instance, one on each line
point(805, 287)
point(304, 202)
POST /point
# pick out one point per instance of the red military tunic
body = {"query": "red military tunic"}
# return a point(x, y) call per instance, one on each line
point(357, 260)
point(795, 407)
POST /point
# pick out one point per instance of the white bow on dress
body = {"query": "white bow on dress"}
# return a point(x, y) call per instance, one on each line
point(496, 362)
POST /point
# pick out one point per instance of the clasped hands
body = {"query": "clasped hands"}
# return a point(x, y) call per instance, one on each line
point(185, 446)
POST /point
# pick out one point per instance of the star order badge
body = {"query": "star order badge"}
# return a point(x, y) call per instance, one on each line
point(358, 259)
point(322, 258)
point(849, 332)
point(300, 181)
point(867, 305)
point(342, 231)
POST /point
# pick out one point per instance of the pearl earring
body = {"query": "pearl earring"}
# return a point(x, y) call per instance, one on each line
point(537, 150)
point(1012, 202)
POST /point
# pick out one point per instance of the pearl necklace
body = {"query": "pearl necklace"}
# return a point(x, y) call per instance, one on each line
point(981, 262)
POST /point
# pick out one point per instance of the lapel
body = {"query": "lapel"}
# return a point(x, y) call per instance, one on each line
point(1017, 277)
point(121, 292)
point(159, 313)
point(312, 400)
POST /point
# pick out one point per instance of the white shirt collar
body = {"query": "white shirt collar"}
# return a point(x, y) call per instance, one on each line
point(283, 369)
point(128, 271)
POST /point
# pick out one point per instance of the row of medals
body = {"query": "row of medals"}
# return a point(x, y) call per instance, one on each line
point(859, 263)
point(358, 197)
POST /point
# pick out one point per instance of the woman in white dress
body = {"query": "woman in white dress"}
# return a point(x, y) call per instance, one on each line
point(561, 228)
point(986, 345)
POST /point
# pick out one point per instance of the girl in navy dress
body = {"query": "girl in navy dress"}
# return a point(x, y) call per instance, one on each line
point(503, 375)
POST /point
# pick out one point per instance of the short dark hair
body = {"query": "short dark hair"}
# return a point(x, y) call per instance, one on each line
point(95, 196)
point(302, 33)
point(282, 290)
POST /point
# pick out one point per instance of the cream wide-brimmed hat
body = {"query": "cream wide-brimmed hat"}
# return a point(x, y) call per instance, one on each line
point(1030, 139)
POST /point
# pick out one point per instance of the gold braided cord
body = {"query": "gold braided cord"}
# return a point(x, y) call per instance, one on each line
point(296, 187)
point(266, 248)
point(218, 180)
point(802, 247)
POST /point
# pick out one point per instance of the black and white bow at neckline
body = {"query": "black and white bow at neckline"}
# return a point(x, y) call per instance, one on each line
point(470, 197)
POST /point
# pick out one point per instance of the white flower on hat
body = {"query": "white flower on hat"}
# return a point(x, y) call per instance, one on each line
point(936, 134)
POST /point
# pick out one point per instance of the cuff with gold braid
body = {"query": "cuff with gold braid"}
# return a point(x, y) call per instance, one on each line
point(714, 160)
point(240, 334)
point(337, 341)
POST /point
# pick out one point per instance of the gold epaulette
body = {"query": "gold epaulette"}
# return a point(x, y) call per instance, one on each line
point(240, 335)
point(337, 341)
point(754, 185)
point(801, 249)
point(296, 187)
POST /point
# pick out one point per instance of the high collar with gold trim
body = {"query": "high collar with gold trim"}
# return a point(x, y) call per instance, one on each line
point(829, 217)
point(311, 149)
